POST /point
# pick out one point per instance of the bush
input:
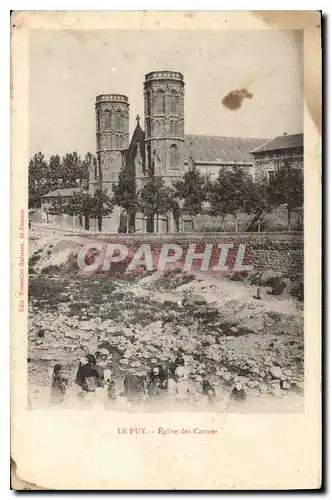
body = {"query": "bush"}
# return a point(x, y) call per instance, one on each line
point(277, 286)
point(50, 270)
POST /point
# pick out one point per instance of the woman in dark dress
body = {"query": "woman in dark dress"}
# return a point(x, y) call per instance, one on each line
point(89, 376)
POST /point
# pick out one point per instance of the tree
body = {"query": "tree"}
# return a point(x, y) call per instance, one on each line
point(80, 205)
point(257, 202)
point(126, 196)
point(227, 194)
point(46, 176)
point(38, 183)
point(287, 188)
point(156, 199)
point(100, 205)
point(191, 191)
point(60, 206)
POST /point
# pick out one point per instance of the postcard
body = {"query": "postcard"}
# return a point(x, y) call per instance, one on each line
point(166, 250)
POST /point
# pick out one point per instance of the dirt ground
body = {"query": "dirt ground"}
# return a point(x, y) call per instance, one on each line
point(225, 334)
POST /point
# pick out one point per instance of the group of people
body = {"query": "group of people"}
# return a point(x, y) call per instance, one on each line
point(162, 381)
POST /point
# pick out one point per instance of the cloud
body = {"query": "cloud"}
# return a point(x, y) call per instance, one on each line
point(233, 100)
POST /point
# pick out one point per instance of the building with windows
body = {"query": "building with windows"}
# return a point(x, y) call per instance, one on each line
point(280, 151)
point(163, 149)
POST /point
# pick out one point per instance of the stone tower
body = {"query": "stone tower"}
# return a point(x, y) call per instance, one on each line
point(164, 124)
point(112, 139)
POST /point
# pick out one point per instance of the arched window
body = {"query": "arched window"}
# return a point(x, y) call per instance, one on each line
point(148, 98)
point(174, 156)
point(108, 119)
point(172, 127)
point(98, 121)
point(160, 102)
point(173, 104)
point(118, 121)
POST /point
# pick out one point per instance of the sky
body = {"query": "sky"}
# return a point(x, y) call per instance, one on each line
point(68, 69)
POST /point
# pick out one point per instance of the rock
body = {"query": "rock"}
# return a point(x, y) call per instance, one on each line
point(288, 373)
point(209, 340)
point(275, 390)
point(254, 324)
point(227, 376)
point(255, 371)
point(195, 299)
point(234, 329)
point(156, 325)
point(252, 383)
point(87, 325)
point(124, 361)
point(135, 364)
point(263, 388)
point(230, 337)
point(251, 363)
point(189, 346)
point(71, 334)
point(285, 385)
point(39, 342)
point(276, 372)
point(98, 320)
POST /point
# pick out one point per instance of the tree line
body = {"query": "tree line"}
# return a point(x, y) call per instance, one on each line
point(232, 192)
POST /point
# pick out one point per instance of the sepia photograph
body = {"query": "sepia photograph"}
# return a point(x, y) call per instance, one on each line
point(166, 238)
point(166, 220)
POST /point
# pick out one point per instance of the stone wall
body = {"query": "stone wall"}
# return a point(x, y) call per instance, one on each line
point(279, 252)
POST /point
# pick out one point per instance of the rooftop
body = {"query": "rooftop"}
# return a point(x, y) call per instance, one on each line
point(223, 149)
point(62, 192)
point(281, 142)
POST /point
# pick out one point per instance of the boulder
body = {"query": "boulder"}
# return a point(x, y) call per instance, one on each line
point(227, 376)
point(195, 299)
point(276, 372)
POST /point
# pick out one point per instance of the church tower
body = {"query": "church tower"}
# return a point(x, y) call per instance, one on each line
point(112, 139)
point(164, 124)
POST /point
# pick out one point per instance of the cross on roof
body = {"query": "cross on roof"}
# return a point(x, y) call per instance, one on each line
point(138, 119)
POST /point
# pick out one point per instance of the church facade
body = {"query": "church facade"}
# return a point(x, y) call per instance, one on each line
point(162, 148)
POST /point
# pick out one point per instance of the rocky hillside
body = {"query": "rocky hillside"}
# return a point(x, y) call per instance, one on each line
point(226, 334)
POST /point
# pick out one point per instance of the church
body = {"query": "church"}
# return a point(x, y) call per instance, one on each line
point(162, 148)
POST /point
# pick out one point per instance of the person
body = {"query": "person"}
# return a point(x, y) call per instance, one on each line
point(179, 361)
point(58, 384)
point(238, 394)
point(154, 387)
point(29, 224)
point(158, 377)
point(209, 392)
point(89, 376)
point(184, 390)
point(111, 393)
point(135, 387)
